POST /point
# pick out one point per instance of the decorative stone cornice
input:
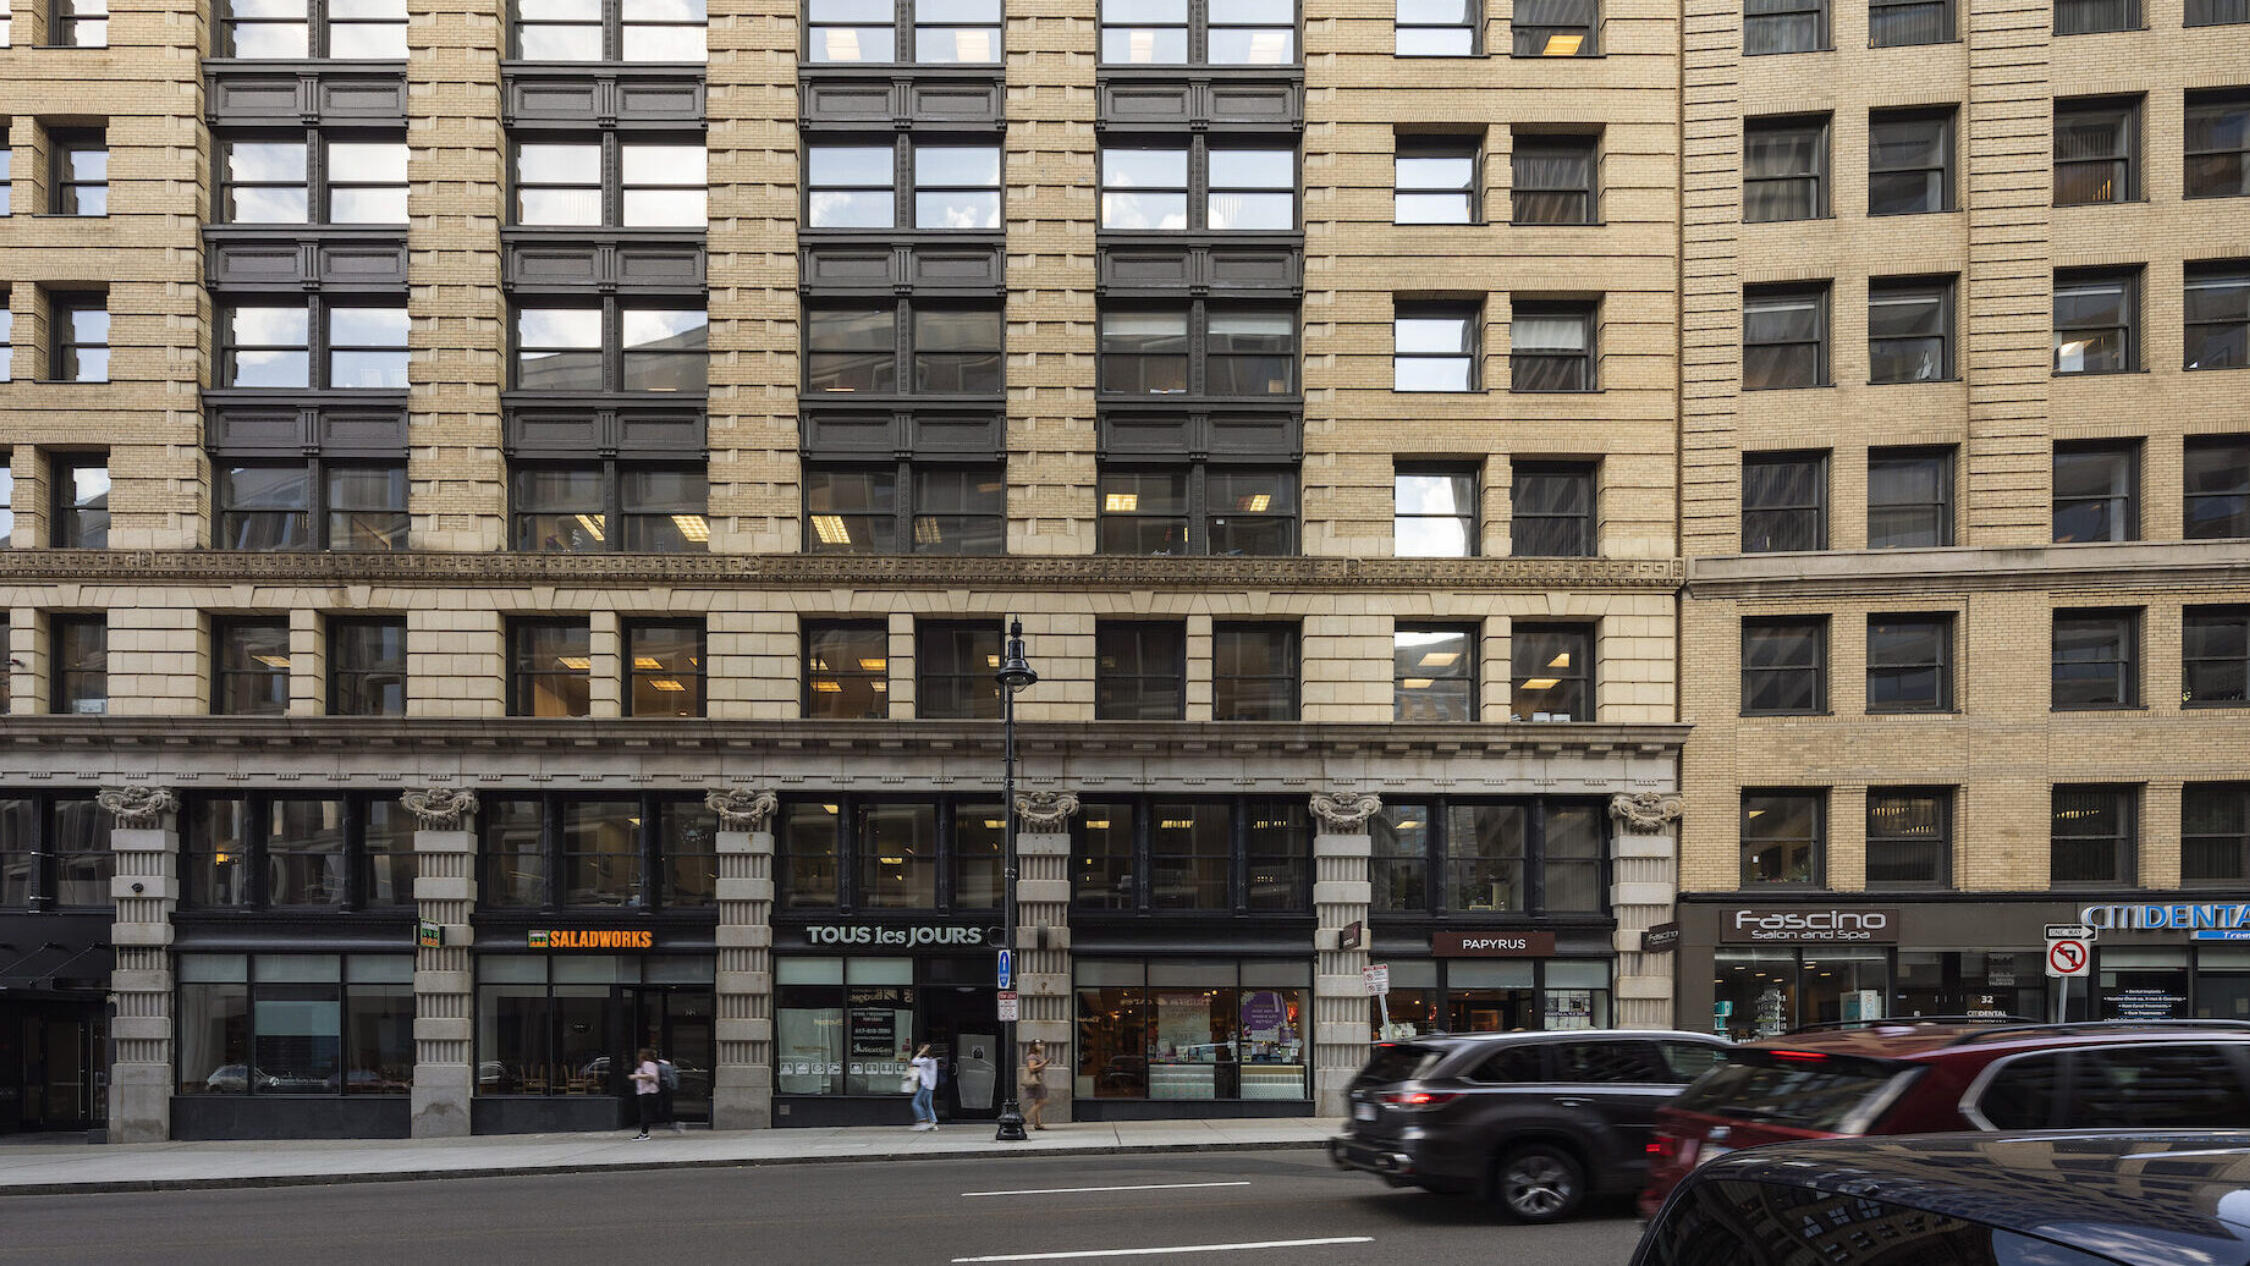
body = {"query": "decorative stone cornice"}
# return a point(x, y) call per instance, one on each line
point(1645, 812)
point(1347, 812)
point(137, 808)
point(440, 808)
point(2092, 568)
point(1048, 811)
point(1045, 574)
point(741, 809)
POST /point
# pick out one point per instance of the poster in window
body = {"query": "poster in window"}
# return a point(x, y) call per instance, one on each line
point(1570, 1009)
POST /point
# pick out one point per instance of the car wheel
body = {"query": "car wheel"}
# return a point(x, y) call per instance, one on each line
point(1539, 1184)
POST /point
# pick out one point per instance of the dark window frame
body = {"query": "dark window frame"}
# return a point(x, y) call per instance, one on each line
point(321, 42)
point(905, 184)
point(356, 890)
point(610, 346)
point(1138, 695)
point(1814, 130)
point(2224, 327)
point(1878, 835)
point(65, 347)
point(2224, 483)
point(320, 346)
point(2202, 846)
point(2223, 619)
point(1580, 368)
point(911, 522)
point(1470, 317)
point(1584, 642)
point(1563, 535)
point(234, 523)
point(1814, 632)
point(1816, 845)
point(1445, 147)
point(1559, 22)
point(2127, 281)
point(1196, 30)
point(1198, 351)
point(1467, 516)
point(1775, 298)
point(70, 526)
point(614, 29)
point(1946, 121)
point(2210, 111)
point(61, 678)
point(1770, 533)
point(907, 370)
point(609, 182)
point(1437, 857)
point(843, 890)
point(225, 673)
point(904, 28)
point(1943, 624)
point(879, 678)
point(940, 670)
point(615, 475)
point(2215, 13)
point(77, 24)
point(2125, 801)
point(68, 193)
point(1882, 13)
point(1202, 514)
point(1899, 292)
point(1288, 638)
point(1548, 147)
point(43, 861)
point(697, 672)
point(1466, 671)
point(2124, 114)
point(1204, 159)
point(654, 891)
point(2123, 15)
point(521, 677)
point(1119, 871)
point(2125, 659)
point(1942, 508)
point(321, 181)
point(2122, 510)
point(365, 679)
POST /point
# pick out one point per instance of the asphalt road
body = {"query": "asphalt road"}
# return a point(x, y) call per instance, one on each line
point(1287, 1208)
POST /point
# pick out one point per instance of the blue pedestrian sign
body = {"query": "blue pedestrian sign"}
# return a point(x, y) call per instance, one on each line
point(1007, 970)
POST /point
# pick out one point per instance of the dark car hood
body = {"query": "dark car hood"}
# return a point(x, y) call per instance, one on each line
point(2157, 1198)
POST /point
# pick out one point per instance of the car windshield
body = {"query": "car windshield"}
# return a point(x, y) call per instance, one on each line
point(1800, 1091)
point(1398, 1061)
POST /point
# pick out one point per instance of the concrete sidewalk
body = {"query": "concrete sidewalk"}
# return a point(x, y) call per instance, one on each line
point(52, 1169)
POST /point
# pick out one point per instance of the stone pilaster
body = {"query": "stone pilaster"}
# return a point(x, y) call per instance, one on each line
point(445, 892)
point(1342, 891)
point(1043, 982)
point(1644, 889)
point(146, 889)
point(742, 1082)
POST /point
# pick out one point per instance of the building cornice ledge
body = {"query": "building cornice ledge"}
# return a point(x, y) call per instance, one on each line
point(2126, 565)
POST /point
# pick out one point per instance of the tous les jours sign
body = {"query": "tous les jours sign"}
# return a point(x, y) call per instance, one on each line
point(868, 934)
point(1809, 925)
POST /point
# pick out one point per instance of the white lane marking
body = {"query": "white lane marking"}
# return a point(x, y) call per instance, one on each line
point(1180, 1248)
point(1069, 1191)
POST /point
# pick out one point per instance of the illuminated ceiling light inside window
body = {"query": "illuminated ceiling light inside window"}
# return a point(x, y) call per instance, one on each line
point(1416, 683)
point(1122, 502)
point(843, 46)
point(892, 861)
point(993, 824)
point(926, 531)
point(644, 661)
point(827, 686)
point(575, 663)
point(1542, 683)
point(831, 530)
point(593, 525)
point(879, 686)
point(693, 526)
point(971, 46)
point(874, 665)
point(1440, 659)
point(1175, 824)
point(828, 808)
point(667, 685)
point(1255, 503)
point(1413, 824)
point(1560, 661)
point(992, 661)
point(1142, 47)
point(272, 661)
point(1562, 45)
point(1755, 813)
point(1102, 825)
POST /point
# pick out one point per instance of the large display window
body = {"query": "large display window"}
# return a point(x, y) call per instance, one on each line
point(570, 1025)
point(296, 1024)
point(1502, 996)
point(1765, 992)
point(842, 1026)
point(1193, 1029)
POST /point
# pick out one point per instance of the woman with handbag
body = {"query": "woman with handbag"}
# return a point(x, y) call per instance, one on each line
point(923, 1082)
point(1035, 1082)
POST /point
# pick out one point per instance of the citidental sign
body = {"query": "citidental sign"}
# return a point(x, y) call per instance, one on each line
point(2207, 922)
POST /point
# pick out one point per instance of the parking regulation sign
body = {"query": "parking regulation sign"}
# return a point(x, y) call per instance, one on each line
point(1377, 979)
point(2068, 957)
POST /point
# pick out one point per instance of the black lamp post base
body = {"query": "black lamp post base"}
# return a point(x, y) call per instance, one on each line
point(1010, 1125)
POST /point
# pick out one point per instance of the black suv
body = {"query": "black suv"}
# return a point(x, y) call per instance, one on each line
point(1534, 1122)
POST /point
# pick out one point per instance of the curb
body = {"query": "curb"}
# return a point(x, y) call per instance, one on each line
point(605, 1167)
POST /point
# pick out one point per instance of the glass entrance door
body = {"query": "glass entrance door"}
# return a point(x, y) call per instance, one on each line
point(677, 1022)
point(51, 1064)
point(960, 1022)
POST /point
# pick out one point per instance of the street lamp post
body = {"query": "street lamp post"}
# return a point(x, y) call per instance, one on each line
point(1014, 676)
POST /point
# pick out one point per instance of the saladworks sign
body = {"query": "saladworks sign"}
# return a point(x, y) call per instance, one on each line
point(1809, 925)
point(874, 936)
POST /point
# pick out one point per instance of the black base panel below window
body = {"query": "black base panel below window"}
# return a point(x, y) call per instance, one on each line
point(207, 1117)
point(811, 1111)
point(552, 1114)
point(1185, 1109)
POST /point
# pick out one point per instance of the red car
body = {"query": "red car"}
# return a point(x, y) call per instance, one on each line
point(1906, 1078)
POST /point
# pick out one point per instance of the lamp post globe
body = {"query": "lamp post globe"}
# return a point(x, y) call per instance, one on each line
point(1015, 675)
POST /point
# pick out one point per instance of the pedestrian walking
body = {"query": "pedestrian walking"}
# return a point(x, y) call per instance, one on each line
point(1035, 1082)
point(647, 1086)
point(925, 1087)
point(667, 1088)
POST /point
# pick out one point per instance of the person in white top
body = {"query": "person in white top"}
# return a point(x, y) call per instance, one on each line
point(646, 1084)
point(925, 1072)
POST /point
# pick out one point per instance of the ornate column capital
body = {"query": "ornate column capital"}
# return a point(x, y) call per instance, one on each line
point(440, 808)
point(138, 808)
point(741, 809)
point(1345, 812)
point(1047, 811)
point(1645, 812)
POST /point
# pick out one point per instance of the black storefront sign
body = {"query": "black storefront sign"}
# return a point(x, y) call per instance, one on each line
point(1809, 925)
point(1661, 939)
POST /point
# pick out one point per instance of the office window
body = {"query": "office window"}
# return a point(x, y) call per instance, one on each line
point(1253, 672)
point(2216, 12)
point(1909, 162)
point(661, 348)
point(663, 669)
point(954, 667)
point(1784, 502)
point(79, 649)
point(609, 506)
point(1249, 353)
point(1909, 498)
point(847, 671)
point(79, 329)
point(1140, 671)
point(1909, 663)
point(80, 518)
point(550, 668)
point(1909, 329)
point(80, 181)
point(2216, 486)
point(1784, 666)
point(1552, 672)
point(2095, 836)
point(1434, 673)
point(1145, 188)
point(78, 24)
point(1434, 180)
point(354, 30)
point(1202, 509)
point(316, 504)
point(1221, 33)
point(649, 184)
point(946, 350)
point(251, 675)
point(1251, 189)
point(1245, 351)
point(1784, 337)
point(851, 186)
point(2097, 492)
point(850, 31)
point(1909, 837)
point(1435, 28)
point(1552, 179)
point(2216, 307)
point(945, 510)
point(1554, 28)
point(942, 32)
point(1784, 169)
point(1433, 347)
point(2215, 833)
point(1433, 513)
point(2215, 656)
point(367, 667)
point(54, 852)
point(587, 30)
point(1551, 347)
point(2096, 318)
point(2094, 151)
point(1551, 510)
point(265, 181)
point(1784, 26)
point(7, 508)
point(2087, 17)
point(7, 319)
point(2094, 664)
point(1784, 838)
point(956, 32)
point(1144, 32)
point(2217, 139)
point(957, 186)
point(363, 347)
point(1899, 23)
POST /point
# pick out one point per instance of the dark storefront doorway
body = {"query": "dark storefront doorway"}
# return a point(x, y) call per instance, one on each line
point(675, 1021)
point(53, 1066)
point(959, 1022)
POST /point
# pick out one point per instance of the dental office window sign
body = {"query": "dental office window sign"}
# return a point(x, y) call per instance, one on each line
point(2223, 921)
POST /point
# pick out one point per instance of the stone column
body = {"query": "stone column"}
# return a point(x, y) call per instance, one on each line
point(1342, 891)
point(1043, 984)
point(445, 892)
point(1644, 888)
point(742, 1082)
point(146, 890)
